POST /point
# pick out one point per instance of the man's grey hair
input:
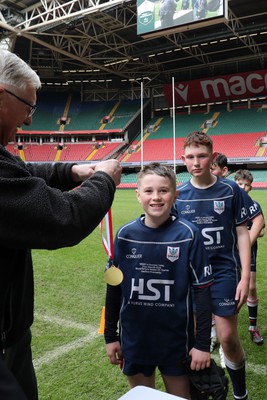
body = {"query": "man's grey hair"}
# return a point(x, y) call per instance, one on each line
point(16, 72)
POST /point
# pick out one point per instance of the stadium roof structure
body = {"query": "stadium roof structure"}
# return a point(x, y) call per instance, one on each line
point(93, 45)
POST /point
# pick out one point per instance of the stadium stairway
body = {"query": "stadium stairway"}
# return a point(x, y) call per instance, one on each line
point(65, 114)
point(110, 115)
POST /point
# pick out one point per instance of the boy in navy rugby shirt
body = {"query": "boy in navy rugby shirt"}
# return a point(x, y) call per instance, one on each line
point(216, 206)
point(163, 259)
point(256, 223)
point(219, 166)
point(244, 179)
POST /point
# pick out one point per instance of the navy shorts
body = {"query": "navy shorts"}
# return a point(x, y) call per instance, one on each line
point(223, 293)
point(130, 369)
point(224, 306)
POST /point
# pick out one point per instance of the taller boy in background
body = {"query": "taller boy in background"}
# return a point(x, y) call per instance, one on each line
point(216, 207)
point(244, 179)
point(162, 259)
point(219, 167)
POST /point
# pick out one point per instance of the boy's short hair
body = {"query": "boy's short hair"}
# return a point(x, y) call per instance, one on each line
point(198, 138)
point(220, 160)
point(243, 174)
point(158, 169)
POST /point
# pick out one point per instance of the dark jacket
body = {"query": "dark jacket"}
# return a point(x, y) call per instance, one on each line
point(38, 210)
point(167, 9)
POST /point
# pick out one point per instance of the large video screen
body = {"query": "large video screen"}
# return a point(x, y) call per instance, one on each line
point(157, 17)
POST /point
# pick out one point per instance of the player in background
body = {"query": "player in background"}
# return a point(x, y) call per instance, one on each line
point(256, 224)
point(163, 259)
point(217, 208)
point(219, 165)
point(244, 179)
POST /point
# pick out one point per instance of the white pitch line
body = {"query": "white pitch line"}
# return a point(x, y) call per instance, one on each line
point(64, 322)
point(61, 350)
point(92, 334)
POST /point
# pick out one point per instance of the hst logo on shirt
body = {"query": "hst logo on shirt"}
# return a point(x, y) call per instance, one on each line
point(219, 206)
point(153, 289)
point(173, 253)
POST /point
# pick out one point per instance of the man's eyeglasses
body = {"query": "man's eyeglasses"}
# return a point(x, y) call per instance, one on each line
point(32, 107)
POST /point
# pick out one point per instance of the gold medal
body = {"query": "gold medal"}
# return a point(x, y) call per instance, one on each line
point(113, 276)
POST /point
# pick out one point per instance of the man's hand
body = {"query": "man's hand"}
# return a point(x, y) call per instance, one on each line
point(81, 172)
point(112, 168)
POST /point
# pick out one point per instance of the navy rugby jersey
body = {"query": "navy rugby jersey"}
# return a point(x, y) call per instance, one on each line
point(160, 266)
point(252, 206)
point(216, 211)
point(254, 209)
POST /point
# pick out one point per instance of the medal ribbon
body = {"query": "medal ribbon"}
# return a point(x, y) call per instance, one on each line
point(112, 275)
point(108, 241)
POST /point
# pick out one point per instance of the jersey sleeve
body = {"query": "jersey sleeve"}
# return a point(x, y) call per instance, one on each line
point(202, 280)
point(252, 206)
point(112, 312)
point(112, 304)
point(203, 318)
point(240, 209)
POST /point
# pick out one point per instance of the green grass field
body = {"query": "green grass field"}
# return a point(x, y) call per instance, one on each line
point(69, 353)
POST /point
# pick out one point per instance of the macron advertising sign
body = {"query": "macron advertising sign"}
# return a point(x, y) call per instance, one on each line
point(221, 88)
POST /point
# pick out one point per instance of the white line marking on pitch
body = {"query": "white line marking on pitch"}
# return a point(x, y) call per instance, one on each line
point(92, 334)
point(64, 349)
point(64, 322)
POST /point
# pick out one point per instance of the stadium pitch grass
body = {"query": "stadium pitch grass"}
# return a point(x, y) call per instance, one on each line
point(69, 353)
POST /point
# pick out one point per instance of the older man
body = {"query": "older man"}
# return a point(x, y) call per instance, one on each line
point(38, 210)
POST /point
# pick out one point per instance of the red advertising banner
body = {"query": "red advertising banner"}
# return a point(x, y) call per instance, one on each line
point(221, 88)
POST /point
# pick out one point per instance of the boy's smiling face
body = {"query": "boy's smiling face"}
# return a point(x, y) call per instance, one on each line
point(156, 195)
